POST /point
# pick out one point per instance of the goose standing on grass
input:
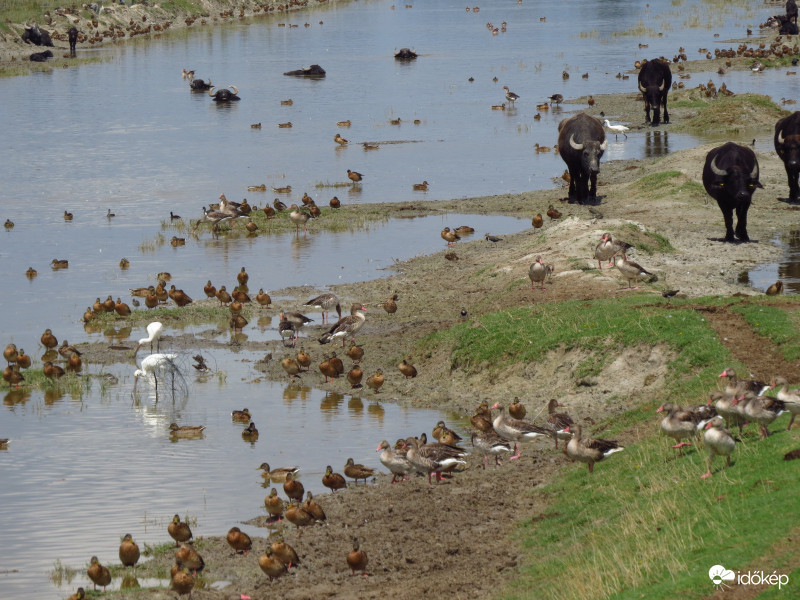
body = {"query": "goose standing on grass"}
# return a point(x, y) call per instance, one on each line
point(515, 430)
point(723, 404)
point(347, 326)
point(761, 409)
point(326, 302)
point(679, 424)
point(740, 386)
point(395, 460)
point(632, 271)
point(718, 441)
point(589, 450)
point(790, 398)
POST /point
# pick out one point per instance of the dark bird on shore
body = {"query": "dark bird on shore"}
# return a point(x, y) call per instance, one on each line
point(279, 206)
point(670, 293)
point(493, 238)
point(553, 213)
point(537, 221)
point(775, 289)
point(595, 213)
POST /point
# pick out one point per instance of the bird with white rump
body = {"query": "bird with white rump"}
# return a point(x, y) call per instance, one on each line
point(154, 331)
point(616, 129)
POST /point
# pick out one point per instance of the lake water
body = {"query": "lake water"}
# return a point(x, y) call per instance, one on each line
point(126, 134)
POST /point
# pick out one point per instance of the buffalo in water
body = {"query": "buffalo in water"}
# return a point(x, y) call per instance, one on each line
point(787, 145)
point(72, 34)
point(224, 94)
point(730, 176)
point(581, 143)
point(314, 71)
point(37, 36)
point(198, 85)
point(655, 79)
point(405, 54)
point(41, 56)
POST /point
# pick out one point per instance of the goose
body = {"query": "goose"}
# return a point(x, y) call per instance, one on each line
point(434, 458)
point(347, 326)
point(299, 217)
point(589, 450)
point(679, 424)
point(632, 271)
point(790, 398)
point(761, 409)
point(325, 302)
point(607, 248)
point(558, 422)
point(723, 404)
point(489, 442)
point(515, 430)
point(510, 96)
point(718, 441)
point(740, 386)
point(537, 273)
point(397, 462)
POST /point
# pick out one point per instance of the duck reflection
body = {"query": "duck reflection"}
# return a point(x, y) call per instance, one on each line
point(296, 390)
point(264, 323)
point(53, 395)
point(376, 411)
point(129, 582)
point(117, 335)
point(331, 401)
point(355, 406)
point(16, 397)
point(789, 267)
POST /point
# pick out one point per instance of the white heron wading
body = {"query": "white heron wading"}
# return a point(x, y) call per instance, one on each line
point(616, 129)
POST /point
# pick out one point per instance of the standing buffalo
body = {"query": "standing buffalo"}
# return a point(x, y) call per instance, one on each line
point(224, 94)
point(37, 36)
point(730, 176)
point(655, 79)
point(72, 34)
point(581, 143)
point(787, 145)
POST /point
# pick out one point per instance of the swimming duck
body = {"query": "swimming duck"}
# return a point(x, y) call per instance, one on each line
point(408, 370)
point(340, 140)
point(421, 187)
point(347, 326)
point(124, 263)
point(271, 565)
point(128, 551)
point(274, 505)
point(31, 273)
point(284, 552)
point(589, 450)
point(357, 559)
point(368, 146)
point(325, 302)
point(67, 216)
point(9, 224)
point(57, 264)
point(489, 442)
point(179, 530)
point(293, 488)
point(185, 431)
point(278, 475)
point(242, 416)
point(333, 481)
point(242, 277)
point(190, 558)
point(109, 214)
point(357, 471)
point(515, 430)
point(558, 422)
point(99, 574)
point(239, 541)
point(250, 434)
point(354, 176)
point(790, 398)
point(298, 516)
point(718, 441)
point(632, 271)
point(516, 409)
point(374, 382)
point(537, 272)
point(313, 508)
point(257, 188)
point(395, 461)
point(346, 123)
point(451, 237)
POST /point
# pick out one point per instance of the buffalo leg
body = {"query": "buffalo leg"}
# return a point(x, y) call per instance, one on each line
point(573, 176)
point(646, 111)
point(656, 115)
point(794, 189)
point(593, 188)
point(741, 222)
point(727, 214)
point(666, 114)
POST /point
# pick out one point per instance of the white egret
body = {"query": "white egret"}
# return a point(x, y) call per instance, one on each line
point(154, 366)
point(617, 129)
point(154, 331)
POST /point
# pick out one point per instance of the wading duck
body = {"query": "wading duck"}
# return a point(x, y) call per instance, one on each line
point(719, 442)
point(291, 366)
point(515, 430)
point(298, 516)
point(303, 358)
point(48, 339)
point(409, 371)
point(190, 558)
point(263, 298)
point(354, 377)
point(355, 353)
point(279, 474)
point(181, 581)
point(537, 221)
point(517, 410)
point(482, 419)
point(451, 237)
point(590, 450)
point(347, 326)
point(354, 176)
point(390, 304)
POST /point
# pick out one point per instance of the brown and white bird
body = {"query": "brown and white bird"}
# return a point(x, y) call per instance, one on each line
point(354, 176)
point(490, 442)
point(434, 458)
point(607, 248)
point(537, 272)
point(510, 96)
point(326, 303)
point(395, 460)
point(340, 140)
point(451, 237)
point(719, 442)
point(515, 430)
point(558, 422)
point(589, 450)
point(632, 271)
point(791, 399)
point(299, 217)
point(347, 326)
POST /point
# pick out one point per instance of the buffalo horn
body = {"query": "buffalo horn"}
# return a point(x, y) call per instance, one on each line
point(574, 145)
point(604, 145)
point(235, 89)
point(754, 172)
point(661, 87)
point(716, 170)
point(781, 139)
point(641, 88)
point(211, 91)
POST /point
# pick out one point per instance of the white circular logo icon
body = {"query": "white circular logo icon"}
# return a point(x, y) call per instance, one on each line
point(718, 574)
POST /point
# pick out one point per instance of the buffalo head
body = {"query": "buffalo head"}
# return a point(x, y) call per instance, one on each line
point(591, 152)
point(224, 94)
point(787, 145)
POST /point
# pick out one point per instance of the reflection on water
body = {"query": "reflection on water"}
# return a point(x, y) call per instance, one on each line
point(656, 143)
point(786, 270)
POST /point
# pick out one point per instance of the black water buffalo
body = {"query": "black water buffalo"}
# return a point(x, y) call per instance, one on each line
point(655, 79)
point(730, 176)
point(791, 11)
point(37, 36)
point(787, 145)
point(198, 85)
point(41, 56)
point(312, 71)
point(405, 54)
point(72, 34)
point(224, 94)
point(581, 143)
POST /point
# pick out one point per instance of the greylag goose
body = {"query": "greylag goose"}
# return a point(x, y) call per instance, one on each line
point(589, 450)
point(761, 409)
point(326, 302)
point(510, 96)
point(286, 329)
point(740, 386)
point(537, 272)
point(434, 458)
point(557, 422)
point(680, 424)
point(515, 430)
point(299, 217)
point(723, 404)
point(395, 461)
point(718, 441)
point(489, 442)
point(632, 271)
point(607, 248)
point(790, 398)
point(347, 326)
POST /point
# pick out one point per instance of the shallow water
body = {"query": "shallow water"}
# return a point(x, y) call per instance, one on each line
point(126, 134)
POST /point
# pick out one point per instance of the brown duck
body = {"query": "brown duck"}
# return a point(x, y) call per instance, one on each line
point(355, 353)
point(357, 559)
point(354, 376)
point(128, 551)
point(390, 305)
point(333, 481)
point(293, 488)
point(311, 507)
point(284, 552)
point(239, 541)
point(263, 298)
point(274, 505)
point(357, 471)
point(272, 566)
point(374, 382)
point(190, 558)
point(409, 371)
point(179, 530)
point(516, 409)
point(296, 515)
point(181, 581)
point(99, 574)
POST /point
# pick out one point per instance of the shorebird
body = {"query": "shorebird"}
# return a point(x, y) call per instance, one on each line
point(616, 129)
point(510, 96)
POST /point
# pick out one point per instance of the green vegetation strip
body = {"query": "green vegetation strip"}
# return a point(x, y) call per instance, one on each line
point(777, 324)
